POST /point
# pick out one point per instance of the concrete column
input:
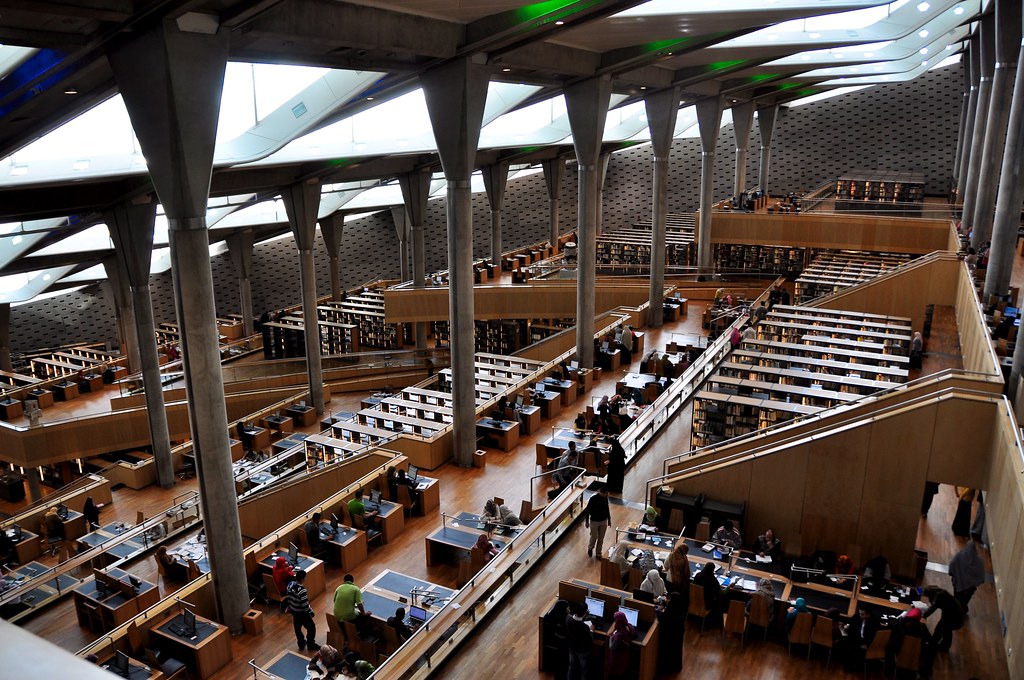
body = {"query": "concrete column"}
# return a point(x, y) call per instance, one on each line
point(587, 106)
point(455, 94)
point(602, 174)
point(301, 202)
point(988, 58)
point(240, 245)
point(554, 170)
point(742, 122)
point(972, 61)
point(709, 120)
point(331, 229)
point(1007, 39)
point(415, 192)
point(171, 80)
point(124, 315)
point(401, 221)
point(5, 337)
point(964, 105)
point(766, 116)
point(1008, 207)
point(131, 228)
point(495, 181)
point(662, 110)
point(35, 490)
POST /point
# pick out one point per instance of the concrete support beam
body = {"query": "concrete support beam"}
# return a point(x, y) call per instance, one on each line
point(587, 106)
point(131, 228)
point(301, 202)
point(495, 181)
point(240, 244)
point(766, 116)
point(709, 120)
point(5, 337)
point(554, 171)
point(124, 315)
point(986, 34)
point(964, 107)
point(415, 192)
point(1008, 208)
point(972, 62)
point(35, 490)
point(742, 122)
point(662, 110)
point(171, 82)
point(602, 174)
point(331, 229)
point(401, 220)
point(456, 94)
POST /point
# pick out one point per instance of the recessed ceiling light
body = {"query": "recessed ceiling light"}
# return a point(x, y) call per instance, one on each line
point(46, 277)
point(771, 36)
point(923, 50)
point(559, 23)
point(837, 55)
point(854, 69)
point(369, 99)
point(949, 47)
point(878, 68)
point(923, 7)
point(16, 240)
point(923, 33)
point(506, 70)
point(958, 10)
point(814, 36)
point(359, 146)
point(924, 63)
point(70, 90)
point(643, 87)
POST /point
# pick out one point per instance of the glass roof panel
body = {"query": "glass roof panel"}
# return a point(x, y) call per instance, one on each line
point(94, 238)
point(656, 7)
point(12, 56)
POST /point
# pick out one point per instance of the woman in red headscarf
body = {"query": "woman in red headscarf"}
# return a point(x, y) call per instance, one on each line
point(283, 574)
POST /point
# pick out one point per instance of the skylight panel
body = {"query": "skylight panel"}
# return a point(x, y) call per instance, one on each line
point(103, 130)
point(96, 237)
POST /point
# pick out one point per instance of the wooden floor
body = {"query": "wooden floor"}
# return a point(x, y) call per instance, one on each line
point(506, 645)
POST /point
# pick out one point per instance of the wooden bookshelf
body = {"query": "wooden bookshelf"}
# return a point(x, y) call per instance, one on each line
point(831, 272)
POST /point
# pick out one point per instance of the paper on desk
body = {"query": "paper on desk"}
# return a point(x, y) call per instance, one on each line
point(748, 584)
point(636, 552)
point(763, 559)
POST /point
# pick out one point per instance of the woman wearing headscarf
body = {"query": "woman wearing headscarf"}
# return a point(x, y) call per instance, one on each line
point(556, 645)
point(499, 514)
point(326, 660)
point(357, 667)
point(654, 584)
point(766, 592)
point(649, 522)
point(617, 555)
point(799, 607)
point(677, 569)
point(620, 641)
point(283, 574)
point(485, 545)
point(671, 628)
point(616, 466)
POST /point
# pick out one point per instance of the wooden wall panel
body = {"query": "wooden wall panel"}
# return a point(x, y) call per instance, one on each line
point(963, 430)
point(763, 507)
point(898, 457)
point(890, 529)
point(827, 492)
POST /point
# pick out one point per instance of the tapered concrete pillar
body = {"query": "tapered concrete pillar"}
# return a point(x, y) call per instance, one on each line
point(1008, 208)
point(124, 315)
point(602, 174)
point(766, 116)
point(964, 106)
point(301, 202)
point(455, 94)
point(5, 337)
point(131, 228)
point(415, 192)
point(401, 221)
point(1008, 16)
point(972, 61)
point(587, 106)
point(171, 80)
point(742, 122)
point(554, 171)
point(988, 58)
point(240, 245)
point(331, 229)
point(662, 110)
point(709, 120)
point(495, 181)
point(35, 490)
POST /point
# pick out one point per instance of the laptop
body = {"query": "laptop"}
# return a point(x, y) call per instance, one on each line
point(417, 617)
point(374, 502)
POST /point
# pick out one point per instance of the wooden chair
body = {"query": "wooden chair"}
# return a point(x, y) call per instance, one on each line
point(50, 544)
point(391, 643)
point(273, 594)
point(610, 575)
point(542, 456)
point(526, 512)
point(703, 532)
point(364, 644)
point(405, 498)
point(908, 658)
point(92, 617)
point(800, 633)
point(194, 571)
point(821, 635)
point(759, 615)
point(465, 573)
point(876, 651)
point(166, 664)
point(697, 606)
point(675, 521)
point(498, 500)
point(736, 619)
point(335, 636)
point(302, 541)
point(371, 534)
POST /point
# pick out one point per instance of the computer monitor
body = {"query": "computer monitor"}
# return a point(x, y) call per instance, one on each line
point(101, 586)
point(595, 607)
point(414, 473)
point(188, 618)
point(120, 664)
point(519, 401)
point(375, 496)
point(62, 511)
point(631, 615)
point(135, 581)
point(417, 614)
point(334, 522)
point(293, 553)
point(18, 533)
point(604, 346)
point(574, 365)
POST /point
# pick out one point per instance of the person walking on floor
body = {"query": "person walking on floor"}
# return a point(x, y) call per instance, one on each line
point(296, 601)
point(967, 571)
point(597, 515)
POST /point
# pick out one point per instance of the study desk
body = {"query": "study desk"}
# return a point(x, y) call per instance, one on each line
point(10, 409)
point(473, 521)
point(394, 585)
point(529, 418)
point(568, 389)
point(74, 525)
point(391, 516)
point(103, 610)
point(90, 382)
point(136, 669)
point(44, 398)
point(609, 360)
point(108, 532)
point(822, 598)
point(429, 490)
point(637, 381)
point(550, 403)
point(255, 438)
point(65, 391)
point(314, 568)
point(193, 550)
point(28, 547)
point(504, 432)
point(204, 653)
point(304, 415)
point(282, 424)
point(39, 595)
point(448, 539)
point(347, 548)
point(288, 665)
point(558, 443)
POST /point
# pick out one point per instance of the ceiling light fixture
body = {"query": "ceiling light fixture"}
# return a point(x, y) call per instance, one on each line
point(559, 23)
point(923, 33)
point(369, 99)
point(506, 70)
point(923, 50)
point(923, 7)
point(70, 90)
point(958, 10)
point(869, 54)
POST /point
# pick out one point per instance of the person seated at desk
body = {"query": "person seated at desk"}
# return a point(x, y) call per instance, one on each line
point(654, 584)
point(650, 519)
point(312, 531)
point(767, 545)
point(282, 573)
point(844, 565)
point(357, 667)
point(172, 569)
point(52, 524)
point(91, 510)
point(483, 543)
point(877, 572)
point(398, 623)
point(911, 624)
point(857, 635)
point(766, 592)
point(580, 423)
point(706, 579)
point(799, 607)
point(356, 507)
point(326, 660)
point(596, 424)
point(618, 555)
point(728, 535)
point(499, 514)
point(565, 471)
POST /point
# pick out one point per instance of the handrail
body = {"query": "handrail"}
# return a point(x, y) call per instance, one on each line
point(256, 670)
point(56, 497)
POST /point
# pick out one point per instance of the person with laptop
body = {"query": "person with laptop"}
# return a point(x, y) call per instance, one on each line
point(357, 507)
point(620, 642)
point(296, 603)
point(398, 623)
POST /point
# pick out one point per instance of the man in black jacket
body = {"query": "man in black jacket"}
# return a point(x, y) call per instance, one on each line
point(597, 514)
point(580, 638)
point(952, 615)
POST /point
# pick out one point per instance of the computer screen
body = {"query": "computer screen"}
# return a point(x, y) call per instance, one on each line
point(101, 586)
point(519, 401)
point(631, 615)
point(604, 346)
point(293, 553)
point(417, 614)
point(135, 581)
point(189, 619)
point(574, 365)
point(62, 511)
point(375, 496)
point(414, 473)
point(595, 607)
point(334, 522)
point(18, 533)
point(120, 664)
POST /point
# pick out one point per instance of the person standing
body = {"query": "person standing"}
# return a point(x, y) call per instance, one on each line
point(671, 627)
point(952, 615)
point(580, 638)
point(962, 519)
point(616, 467)
point(596, 516)
point(677, 569)
point(967, 572)
point(627, 345)
point(296, 602)
point(930, 489)
point(91, 510)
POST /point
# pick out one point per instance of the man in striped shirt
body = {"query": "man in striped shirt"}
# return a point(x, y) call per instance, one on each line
point(296, 602)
